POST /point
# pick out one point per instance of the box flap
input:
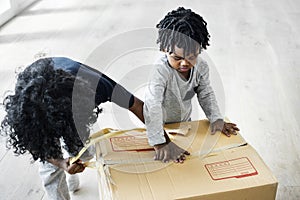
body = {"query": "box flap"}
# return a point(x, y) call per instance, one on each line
point(132, 147)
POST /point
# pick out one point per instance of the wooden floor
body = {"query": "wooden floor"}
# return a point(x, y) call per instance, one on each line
point(254, 48)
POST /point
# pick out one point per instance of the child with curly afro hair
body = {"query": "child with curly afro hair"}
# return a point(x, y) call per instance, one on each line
point(55, 102)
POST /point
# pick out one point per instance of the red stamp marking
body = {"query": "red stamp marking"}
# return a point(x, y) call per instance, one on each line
point(235, 168)
point(130, 143)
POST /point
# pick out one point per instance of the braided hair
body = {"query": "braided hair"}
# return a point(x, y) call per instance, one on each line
point(183, 28)
point(41, 112)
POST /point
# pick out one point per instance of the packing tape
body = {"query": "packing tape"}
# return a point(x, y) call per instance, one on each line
point(100, 135)
point(103, 166)
point(109, 132)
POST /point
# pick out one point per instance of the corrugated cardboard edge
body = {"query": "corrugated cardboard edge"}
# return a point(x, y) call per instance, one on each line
point(269, 192)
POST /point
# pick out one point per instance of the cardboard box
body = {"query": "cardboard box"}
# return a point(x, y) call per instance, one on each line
point(220, 167)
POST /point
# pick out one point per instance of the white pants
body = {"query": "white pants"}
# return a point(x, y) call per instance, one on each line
point(54, 181)
point(54, 178)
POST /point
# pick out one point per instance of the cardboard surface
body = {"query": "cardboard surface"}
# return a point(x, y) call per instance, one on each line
point(231, 170)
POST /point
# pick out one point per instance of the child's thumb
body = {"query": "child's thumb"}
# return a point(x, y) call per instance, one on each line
point(213, 130)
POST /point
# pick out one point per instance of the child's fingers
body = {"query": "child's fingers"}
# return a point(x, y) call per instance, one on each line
point(213, 130)
point(180, 158)
point(156, 156)
point(226, 132)
point(232, 124)
point(234, 131)
point(236, 128)
point(79, 168)
point(166, 157)
point(75, 168)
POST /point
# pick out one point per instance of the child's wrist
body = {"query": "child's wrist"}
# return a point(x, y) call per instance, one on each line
point(168, 140)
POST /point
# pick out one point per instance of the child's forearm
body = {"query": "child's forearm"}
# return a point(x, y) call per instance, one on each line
point(59, 162)
point(137, 109)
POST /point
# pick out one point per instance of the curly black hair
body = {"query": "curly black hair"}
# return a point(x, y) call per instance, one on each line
point(43, 109)
point(183, 28)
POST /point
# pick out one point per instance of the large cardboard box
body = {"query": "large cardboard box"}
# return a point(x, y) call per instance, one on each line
point(220, 167)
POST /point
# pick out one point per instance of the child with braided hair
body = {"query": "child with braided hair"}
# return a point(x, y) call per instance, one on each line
point(178, 75)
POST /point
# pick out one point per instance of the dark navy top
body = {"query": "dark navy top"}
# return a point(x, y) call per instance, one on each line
point(106, 88)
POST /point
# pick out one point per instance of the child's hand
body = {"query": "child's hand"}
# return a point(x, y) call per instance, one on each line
point(170, 151)
point(74, 168)
point(226, 128)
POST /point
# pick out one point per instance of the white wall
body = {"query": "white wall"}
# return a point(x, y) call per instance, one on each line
point(10, 8)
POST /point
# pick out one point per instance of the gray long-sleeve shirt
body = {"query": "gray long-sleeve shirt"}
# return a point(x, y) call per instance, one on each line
point(168, 97)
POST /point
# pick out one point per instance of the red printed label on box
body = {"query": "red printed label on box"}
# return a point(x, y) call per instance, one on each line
point(235, 168)
point(130, 143)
